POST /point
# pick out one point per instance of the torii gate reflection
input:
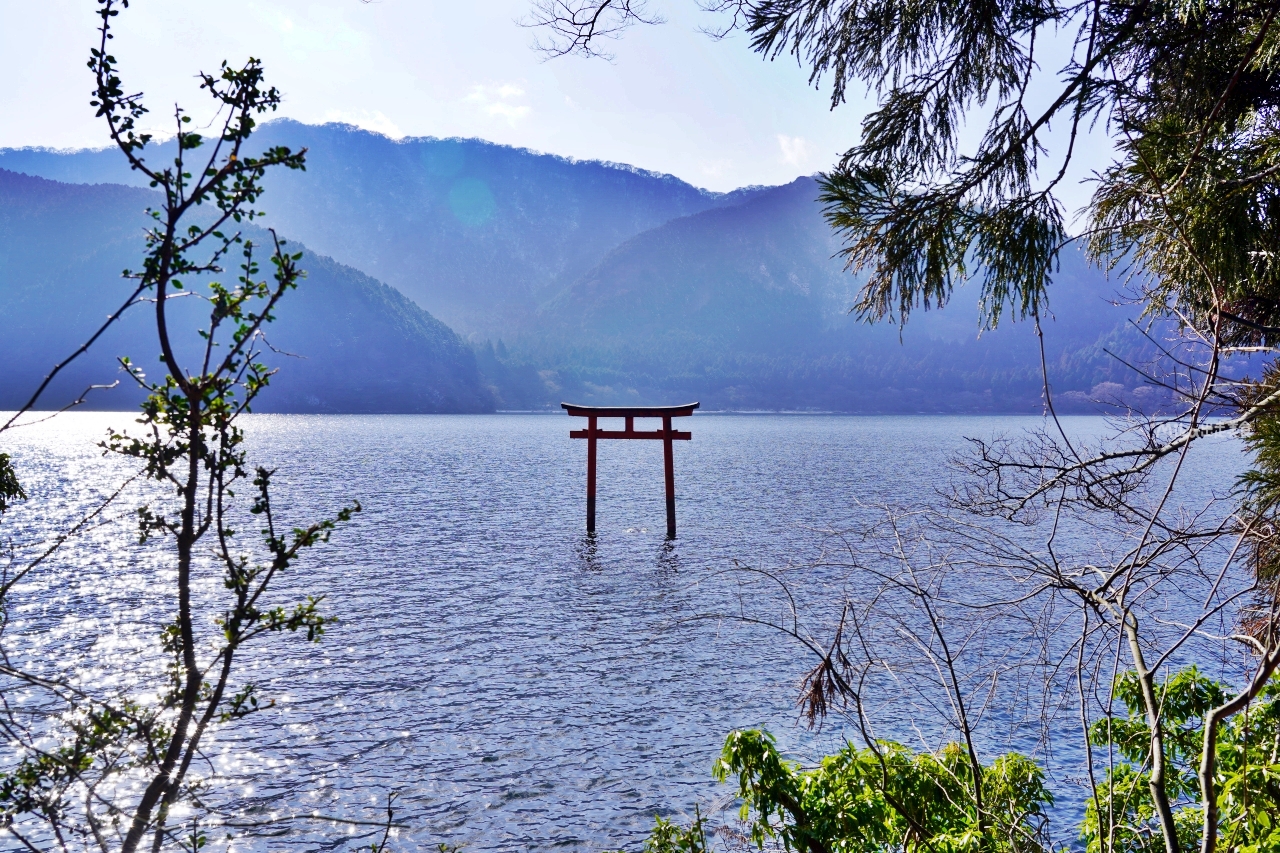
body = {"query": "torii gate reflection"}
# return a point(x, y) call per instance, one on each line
point(630, 413)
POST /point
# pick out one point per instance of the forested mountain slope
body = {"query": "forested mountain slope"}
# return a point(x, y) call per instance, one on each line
point(603, 283)
point(746, 307)
point(363, 346)
point(476, 233)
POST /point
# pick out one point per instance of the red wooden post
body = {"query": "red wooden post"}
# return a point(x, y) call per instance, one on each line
point(591, 475)
point(669, 460)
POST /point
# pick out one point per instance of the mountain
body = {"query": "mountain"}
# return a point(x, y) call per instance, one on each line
point(477, 233)
point(747, 307)
point(363, 346)
point(603, 283)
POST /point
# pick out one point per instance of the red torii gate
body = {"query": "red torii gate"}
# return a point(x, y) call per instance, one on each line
point(666, 434)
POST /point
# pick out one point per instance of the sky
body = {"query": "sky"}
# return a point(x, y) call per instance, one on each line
point(672, 99)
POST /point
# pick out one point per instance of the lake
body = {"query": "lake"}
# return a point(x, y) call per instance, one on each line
point(520, 686)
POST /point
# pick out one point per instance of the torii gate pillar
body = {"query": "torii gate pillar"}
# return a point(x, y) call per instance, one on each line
point(667, 435)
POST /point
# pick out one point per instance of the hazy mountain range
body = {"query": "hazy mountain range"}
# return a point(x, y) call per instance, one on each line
point(363, 346)
point(565, 279)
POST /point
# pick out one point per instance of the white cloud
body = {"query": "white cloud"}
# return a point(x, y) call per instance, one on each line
point(794, 149)
point(499, 101)
point(369, 120)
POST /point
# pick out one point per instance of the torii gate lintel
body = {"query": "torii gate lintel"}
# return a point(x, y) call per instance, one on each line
point(629, 413)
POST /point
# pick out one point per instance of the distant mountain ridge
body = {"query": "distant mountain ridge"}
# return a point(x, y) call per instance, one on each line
point(476, 233)
point(611, 284)
point(363, 346)
point(747, 307)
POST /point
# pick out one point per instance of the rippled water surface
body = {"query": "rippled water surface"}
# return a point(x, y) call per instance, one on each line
point(520, 686)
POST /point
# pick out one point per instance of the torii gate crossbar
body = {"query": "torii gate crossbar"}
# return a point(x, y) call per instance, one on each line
point(667, 435)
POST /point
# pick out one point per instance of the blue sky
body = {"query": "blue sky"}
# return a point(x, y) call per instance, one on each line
point(673, 100)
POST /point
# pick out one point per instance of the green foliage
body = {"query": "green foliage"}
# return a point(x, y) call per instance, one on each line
point(1193, 197)
point(1259, 489)
point(891, 799)
point(1247, 769)
point(668, 837)
point(916, 248)
point(10, 488)
point(1184, 698)
point(919, 214)
point(884, 799)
